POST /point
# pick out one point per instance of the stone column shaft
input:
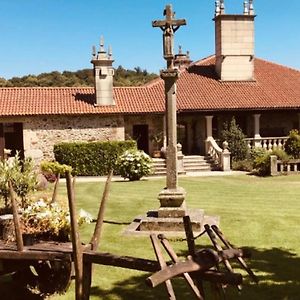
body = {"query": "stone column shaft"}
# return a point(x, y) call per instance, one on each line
point(208, 126)
point(171, 198)
point(256, 126)
point(170, 88)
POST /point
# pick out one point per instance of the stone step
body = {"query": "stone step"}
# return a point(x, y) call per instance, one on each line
point(191, 163)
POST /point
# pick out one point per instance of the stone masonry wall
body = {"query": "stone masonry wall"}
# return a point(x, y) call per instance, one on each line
point(41, 133)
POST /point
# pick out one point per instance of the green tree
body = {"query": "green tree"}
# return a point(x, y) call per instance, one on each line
point(233, 134)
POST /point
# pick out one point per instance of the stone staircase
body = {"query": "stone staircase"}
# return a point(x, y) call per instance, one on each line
point(159, 166)
point(191, 163)
point(197, 163)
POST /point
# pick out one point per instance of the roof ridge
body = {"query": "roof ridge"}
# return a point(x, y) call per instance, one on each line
point(45, 87)
point(277, 64)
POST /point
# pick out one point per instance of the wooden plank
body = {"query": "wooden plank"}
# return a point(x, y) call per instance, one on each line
point(189, 235)
point(229, 246)
point(87, 280)
point(163, 266)
point(126, 262)
point(220, 250)
point(175, 259)
point(32, 255)
point(191, 247)
point(175, 270)
point(77, 247)
point(98, 227)
point(18, 232)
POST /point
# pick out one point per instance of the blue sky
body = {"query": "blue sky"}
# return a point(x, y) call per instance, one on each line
point(46, 35)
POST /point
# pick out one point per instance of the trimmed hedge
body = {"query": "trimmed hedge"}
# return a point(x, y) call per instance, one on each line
point(91, 158)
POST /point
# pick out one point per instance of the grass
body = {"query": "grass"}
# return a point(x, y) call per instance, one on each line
point(260, 213)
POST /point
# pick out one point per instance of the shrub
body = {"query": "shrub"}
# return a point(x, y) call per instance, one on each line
point(243, 165)
point(237, 146)
point(22, 177)
point(134, 164)
point(262, 162)
point(91, 158)
point(292, 145)
point(51, 169)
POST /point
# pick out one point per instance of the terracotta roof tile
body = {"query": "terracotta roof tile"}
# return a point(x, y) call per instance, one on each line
point(275, 87)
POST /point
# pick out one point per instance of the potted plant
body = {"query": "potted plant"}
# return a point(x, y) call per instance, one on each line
point(157, 143)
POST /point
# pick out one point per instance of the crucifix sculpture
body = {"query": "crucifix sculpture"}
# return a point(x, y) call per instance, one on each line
point(171, 198)
point(169, 26)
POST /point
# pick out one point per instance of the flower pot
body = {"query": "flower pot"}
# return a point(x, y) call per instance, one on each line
point(156, 154)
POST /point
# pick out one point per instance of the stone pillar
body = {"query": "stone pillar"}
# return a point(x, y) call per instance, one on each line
point(180, 156)
point(208, 131)
point(273, 163)
point(257, 137)
point(225, 157)
point(172, 198)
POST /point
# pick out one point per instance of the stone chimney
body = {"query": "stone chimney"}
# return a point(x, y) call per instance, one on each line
point(182, 60)
point(234, 41)
point(103, 73)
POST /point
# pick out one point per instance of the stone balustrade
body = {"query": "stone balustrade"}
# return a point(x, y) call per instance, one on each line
point(278, 167)
point(267, 143)
point(219, 155)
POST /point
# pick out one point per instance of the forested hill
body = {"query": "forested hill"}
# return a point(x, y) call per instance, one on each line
point(83, 77)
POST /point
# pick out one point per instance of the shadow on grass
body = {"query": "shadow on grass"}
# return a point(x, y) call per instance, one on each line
point(278, 271)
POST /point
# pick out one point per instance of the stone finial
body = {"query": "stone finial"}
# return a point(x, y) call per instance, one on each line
point(222, 7)
point(251, 8)
point(225, 146)
point(179, 49)
point(217, 8)
point(110, 52)
point(246, 8)
point(94, 52)
point(102, 44)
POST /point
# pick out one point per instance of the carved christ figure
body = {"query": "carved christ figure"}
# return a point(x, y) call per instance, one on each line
point(168, 42)
point(169, 26)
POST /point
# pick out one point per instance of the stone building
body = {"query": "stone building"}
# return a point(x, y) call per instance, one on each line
point(263, 96)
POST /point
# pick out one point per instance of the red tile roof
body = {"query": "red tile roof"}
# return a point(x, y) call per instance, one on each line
point(275, 87)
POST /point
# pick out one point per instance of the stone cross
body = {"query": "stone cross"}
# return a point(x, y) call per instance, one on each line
point(169, 26)
point(172, 198)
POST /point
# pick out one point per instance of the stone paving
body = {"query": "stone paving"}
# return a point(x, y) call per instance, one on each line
point(188, 174)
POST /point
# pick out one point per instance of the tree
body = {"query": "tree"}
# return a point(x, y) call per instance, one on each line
point(235, 137)
point(83, 77)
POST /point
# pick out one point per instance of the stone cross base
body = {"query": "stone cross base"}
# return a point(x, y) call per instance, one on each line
point(172, 203)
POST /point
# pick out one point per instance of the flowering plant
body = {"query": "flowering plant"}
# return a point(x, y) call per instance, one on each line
point(49, 220)
point(134, 164)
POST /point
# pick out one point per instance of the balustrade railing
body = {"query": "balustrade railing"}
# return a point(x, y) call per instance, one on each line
point(290, 167)
point(220, 156)
point(267, 143)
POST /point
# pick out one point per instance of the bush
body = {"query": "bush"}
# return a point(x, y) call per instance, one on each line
point(262, 162)
point(134, 164)
point(243, 165)
point(22, 177)
point(237, 146)
point(292, 145)
point(91, 158)
point(51, 169)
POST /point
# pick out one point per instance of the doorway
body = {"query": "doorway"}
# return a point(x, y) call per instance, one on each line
point(11, 137)
point(141, 136)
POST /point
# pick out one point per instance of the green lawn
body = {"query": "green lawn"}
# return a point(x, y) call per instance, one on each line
point(260, 213)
